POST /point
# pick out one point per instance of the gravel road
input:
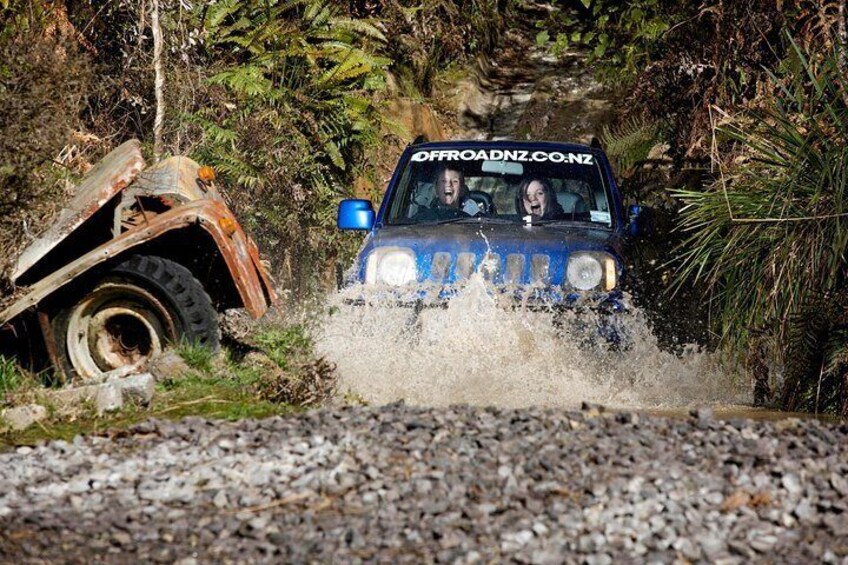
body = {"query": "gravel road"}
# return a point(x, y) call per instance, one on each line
point(459, 485)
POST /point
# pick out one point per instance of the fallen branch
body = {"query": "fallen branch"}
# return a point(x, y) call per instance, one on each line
point(206, 399)
point(276, 504)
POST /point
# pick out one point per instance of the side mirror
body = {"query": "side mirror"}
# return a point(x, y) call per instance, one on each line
point(355, 214)
point(639, 220)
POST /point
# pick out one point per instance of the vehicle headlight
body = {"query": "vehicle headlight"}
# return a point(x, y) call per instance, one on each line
point(394, 266)
point(587, 271)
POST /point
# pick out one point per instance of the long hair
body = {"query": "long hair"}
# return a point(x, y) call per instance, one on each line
point(463, 188)
point(521, 193)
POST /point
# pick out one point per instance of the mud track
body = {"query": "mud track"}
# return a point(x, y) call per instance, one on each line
point(526, 92)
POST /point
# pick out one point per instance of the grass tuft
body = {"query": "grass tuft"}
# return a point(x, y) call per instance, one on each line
point(313, 383)
point(196, 356)
point(11, 377)
point(282, 344)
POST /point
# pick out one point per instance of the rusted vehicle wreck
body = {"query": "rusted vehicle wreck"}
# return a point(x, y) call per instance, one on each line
point(141, 257)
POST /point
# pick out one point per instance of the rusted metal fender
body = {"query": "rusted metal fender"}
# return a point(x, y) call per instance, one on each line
point(237, 249)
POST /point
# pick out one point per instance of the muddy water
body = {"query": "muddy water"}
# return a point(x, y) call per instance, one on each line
point(478, 352)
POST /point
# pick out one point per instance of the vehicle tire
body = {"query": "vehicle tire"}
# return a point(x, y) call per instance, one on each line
point(131, 314)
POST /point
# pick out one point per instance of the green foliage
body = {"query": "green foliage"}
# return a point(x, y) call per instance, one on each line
point(289, 112)
point(282, 344)
point(280, 368)
point(629, 142)
point(11, 376)
point(196, 356)
point(623, 36)
point(278, 374)
point(286, 369)
point(22, 16)
point(673, 59)
point(312, 384)
point(281, 96)
point(816, 356)
point(769, 238)
point(215, 395)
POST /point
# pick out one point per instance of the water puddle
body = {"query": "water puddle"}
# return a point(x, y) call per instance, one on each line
point(477, 352)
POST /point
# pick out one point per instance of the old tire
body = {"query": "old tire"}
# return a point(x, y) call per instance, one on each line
point(130, 315)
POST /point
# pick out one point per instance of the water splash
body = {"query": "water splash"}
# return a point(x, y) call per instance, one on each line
point(477, 352)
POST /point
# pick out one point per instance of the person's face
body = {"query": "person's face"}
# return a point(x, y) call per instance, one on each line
point(536, 198)
point(449, 187)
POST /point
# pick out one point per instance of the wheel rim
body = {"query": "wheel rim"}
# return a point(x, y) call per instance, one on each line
point(117, 325)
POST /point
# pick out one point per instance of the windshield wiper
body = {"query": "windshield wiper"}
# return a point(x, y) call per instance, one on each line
point(474, 219)
point(449, 221)
point(455, 220)
point(566, 218)
point(495, 220)
point(565, 221)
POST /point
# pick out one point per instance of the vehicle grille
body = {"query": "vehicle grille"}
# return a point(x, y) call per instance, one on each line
point(507, 269)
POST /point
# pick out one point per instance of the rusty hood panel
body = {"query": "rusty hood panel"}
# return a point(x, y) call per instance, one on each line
point(174, 177)
point(111, 175)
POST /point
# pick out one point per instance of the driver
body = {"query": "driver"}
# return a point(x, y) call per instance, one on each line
point(451, 197)
point(451, 188)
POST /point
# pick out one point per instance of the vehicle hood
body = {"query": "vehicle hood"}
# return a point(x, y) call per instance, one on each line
point(106, 179)
point(505, 253)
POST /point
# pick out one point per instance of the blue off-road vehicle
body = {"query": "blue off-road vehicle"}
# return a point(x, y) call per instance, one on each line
point(543, 223)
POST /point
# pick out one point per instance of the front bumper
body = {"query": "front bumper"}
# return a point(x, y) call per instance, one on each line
point(599, 317)
point(532, 298)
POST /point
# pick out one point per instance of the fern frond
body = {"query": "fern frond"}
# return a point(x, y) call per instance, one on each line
point(218, 12)
point(334, 154)
point(317, 14)
point(247, 80)
point(836, 350)
point(352, 67)
point(630, 142)
point(357, 28)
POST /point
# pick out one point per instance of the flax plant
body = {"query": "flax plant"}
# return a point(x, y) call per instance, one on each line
point(770, 236)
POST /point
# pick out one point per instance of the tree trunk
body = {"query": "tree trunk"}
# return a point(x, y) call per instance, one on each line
point(159, 83)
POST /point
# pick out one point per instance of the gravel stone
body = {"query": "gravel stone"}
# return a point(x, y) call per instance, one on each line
point(168, 365)
point(22, 417)
point(408, 484)
point(688, 549)
point(839, 484)
point(805, 511)
point(138, 388)
point(108, 399)
point(762, 542)
point(791, 483)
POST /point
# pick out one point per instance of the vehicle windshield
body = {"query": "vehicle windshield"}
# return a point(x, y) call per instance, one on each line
point(504, 185)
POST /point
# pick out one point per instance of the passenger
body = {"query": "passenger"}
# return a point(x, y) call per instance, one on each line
point(535, 198)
